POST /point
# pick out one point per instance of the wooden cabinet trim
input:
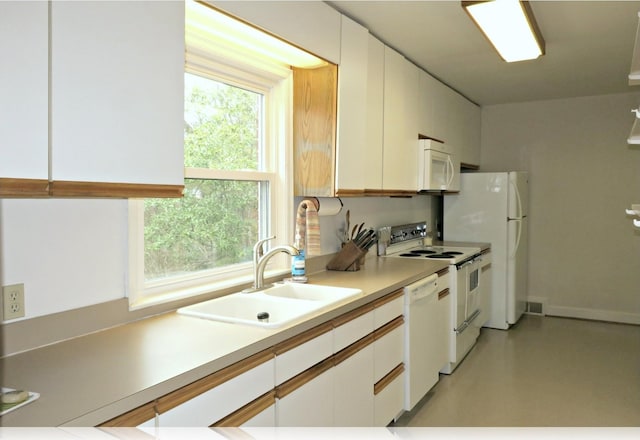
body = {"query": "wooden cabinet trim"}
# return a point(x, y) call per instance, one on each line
point(352, 349)
point(443, 272)
point(301, 379)
point(388, 298)
point(134, 417)
point(188, 392)
point(389, 327)
point(247, 412)
point(114, 190)
point(354, 314)
point(387, 379)
point(300, 339)
point(486, 267)
point(444, 293)
point(350, 192)
point(10, 187)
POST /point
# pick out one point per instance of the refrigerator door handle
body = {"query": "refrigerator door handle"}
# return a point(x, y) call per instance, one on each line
point(518, 223)
point(518, 200)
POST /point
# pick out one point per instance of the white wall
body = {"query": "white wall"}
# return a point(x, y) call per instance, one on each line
point(584, 252)
point(73, 253)
point(68, 253)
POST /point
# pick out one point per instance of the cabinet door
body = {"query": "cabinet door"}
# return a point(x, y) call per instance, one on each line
point(352, 109)
point(353, 385)
point(307, 399)
point(426, 103)
point(303, 351)
point(375, 116)
point(24, 100)
point(117, 85)
point(388, 348)
point(393, 134)
point(209, 406)
point(388, 401)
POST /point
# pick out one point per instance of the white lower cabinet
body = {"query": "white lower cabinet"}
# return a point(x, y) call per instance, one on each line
point(388, 400)
point(352, 387)
point(346, 372)
point(388, 364)
point(307, 399)
point(210, 406)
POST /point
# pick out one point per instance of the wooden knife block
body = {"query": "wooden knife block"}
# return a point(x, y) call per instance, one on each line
point(350, 258)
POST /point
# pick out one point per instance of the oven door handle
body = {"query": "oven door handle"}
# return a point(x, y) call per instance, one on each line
point(467, 322)
point(473, 316)
point(462, 327)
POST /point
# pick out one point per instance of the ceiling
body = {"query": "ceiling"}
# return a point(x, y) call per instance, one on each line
point(589, 45)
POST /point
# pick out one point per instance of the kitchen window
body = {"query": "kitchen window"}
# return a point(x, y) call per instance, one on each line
point(238, 189)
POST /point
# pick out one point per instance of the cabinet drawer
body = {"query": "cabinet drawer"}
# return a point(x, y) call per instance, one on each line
point(388, 348)
point(351, 327)
point(388, 308)
point(303, 351)
point(218, 402)
point(307, 399)
point(388, 401)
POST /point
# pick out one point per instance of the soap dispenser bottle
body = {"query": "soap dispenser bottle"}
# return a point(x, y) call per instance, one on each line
point(298, 271)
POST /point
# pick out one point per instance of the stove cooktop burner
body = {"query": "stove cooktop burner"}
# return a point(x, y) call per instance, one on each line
point(440, 256)
point(423, 252)
point(411, 254)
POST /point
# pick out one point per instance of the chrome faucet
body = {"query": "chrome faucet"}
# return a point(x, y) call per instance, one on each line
point(260, 262)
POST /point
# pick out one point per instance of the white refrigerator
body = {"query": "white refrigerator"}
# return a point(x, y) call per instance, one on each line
point(493, 207)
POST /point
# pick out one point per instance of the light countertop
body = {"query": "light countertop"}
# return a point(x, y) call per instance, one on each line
point(93, 378)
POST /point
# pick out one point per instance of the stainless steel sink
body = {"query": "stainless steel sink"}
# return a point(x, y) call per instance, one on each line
point(284, 304)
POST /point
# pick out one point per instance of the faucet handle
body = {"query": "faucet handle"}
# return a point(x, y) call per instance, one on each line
point(258, 251)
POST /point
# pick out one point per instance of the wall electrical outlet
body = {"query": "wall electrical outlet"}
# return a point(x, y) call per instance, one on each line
point(13, 301)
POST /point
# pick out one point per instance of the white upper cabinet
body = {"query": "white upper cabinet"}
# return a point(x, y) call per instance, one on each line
point(449, 117)
point(24, 74)
point(352, 108)
point(117, 80)
point(311, 25)
point(399, 166)
point(372, 157)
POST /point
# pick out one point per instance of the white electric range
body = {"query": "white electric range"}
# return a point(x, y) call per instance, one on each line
point(408, 241)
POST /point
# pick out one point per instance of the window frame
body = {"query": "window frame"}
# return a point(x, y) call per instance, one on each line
point(278, 171)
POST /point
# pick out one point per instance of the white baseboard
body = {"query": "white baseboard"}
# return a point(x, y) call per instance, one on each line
point(593, 314)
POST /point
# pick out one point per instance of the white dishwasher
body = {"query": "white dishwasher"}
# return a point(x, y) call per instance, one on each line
point(421, 339)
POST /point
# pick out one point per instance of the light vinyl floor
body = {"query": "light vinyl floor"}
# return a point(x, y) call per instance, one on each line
point(543, 372)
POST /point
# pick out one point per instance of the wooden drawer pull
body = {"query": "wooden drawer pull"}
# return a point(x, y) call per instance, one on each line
point(388, 298)
point(388, 327)
point(247, 412)
point(387, 379)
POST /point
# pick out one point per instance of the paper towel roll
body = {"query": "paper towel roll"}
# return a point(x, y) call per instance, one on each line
point(328, 205)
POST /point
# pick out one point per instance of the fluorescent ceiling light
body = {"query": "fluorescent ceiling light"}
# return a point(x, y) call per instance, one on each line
point(243, 39)
point(510, 27)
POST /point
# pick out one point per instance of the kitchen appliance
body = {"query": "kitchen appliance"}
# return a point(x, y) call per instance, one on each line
point(420, 310)
point(406, 241)
point(438, 166)
point(492, 207)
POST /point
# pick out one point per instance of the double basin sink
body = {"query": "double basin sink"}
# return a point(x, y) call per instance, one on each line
point(274, 307)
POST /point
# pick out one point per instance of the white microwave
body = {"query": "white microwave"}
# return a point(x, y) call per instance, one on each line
point(438, 167)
